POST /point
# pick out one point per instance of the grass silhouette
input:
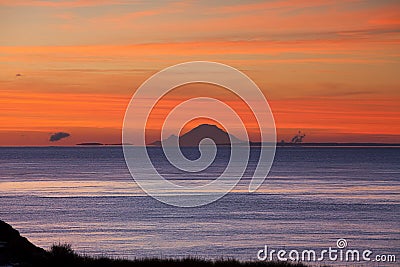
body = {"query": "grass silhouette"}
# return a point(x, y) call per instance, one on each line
point(63, 255)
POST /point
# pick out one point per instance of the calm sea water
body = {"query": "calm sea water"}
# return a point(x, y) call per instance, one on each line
point(313, 196)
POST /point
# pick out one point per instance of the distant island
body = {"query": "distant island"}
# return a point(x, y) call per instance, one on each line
point(194, 136)
point(90, 144)
point(222, 138)
point(100, 144)
point(16, 250)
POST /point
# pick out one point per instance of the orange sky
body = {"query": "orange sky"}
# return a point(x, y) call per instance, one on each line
point(328, 69)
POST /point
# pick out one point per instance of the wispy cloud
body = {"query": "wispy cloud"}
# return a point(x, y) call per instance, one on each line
point(66, 3)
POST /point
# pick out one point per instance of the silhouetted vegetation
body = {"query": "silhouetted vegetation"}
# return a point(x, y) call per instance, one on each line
point(16, 250)
point(63, 255)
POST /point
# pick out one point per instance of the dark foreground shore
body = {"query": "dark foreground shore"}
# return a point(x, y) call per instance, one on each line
point(16, 250)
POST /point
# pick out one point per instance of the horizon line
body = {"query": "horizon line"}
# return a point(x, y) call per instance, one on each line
point(254, 144)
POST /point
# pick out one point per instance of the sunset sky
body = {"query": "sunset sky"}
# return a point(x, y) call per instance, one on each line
point(330, 70)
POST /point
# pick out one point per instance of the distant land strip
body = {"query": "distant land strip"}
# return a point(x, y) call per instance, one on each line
point(279, 144)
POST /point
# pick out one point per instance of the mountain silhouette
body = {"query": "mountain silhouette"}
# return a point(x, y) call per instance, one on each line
point(194, 136)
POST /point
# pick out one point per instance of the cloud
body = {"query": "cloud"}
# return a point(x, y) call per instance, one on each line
point(69, 4)
point(58, 136)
